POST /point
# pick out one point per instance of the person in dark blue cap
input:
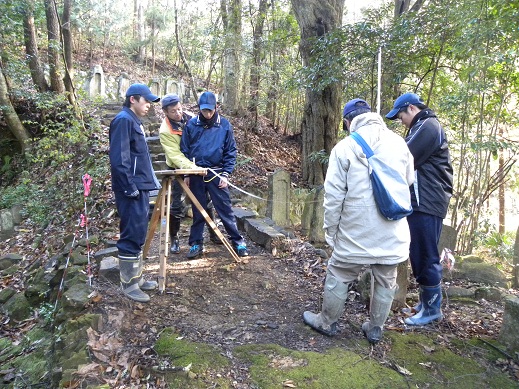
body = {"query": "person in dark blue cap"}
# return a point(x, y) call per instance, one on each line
point(132, 179)
point(208, 140)
point(355, 229)
point(430, 196)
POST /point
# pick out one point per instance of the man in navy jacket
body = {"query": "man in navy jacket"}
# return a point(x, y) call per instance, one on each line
point(132, 179)
point(208, 140)
point(430, 195)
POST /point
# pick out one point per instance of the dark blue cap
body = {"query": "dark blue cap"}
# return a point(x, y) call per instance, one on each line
point(170, 99)
point(142, 90)
point(207, 100)
point(403, 101)
point(352, 105)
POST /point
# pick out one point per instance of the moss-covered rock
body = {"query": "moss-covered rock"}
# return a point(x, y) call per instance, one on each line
point(17, 307)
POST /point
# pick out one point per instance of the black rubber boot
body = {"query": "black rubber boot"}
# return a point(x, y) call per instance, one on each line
point(174, 227)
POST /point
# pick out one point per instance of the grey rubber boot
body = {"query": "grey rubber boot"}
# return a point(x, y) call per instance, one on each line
point(130, 274)
point(334, 297)
point(380, 307)
point(144, 284)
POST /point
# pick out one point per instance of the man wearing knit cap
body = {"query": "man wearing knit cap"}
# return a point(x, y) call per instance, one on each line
point(354, 228)
point(208, 140)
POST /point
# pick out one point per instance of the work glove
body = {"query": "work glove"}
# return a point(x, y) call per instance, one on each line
point(224, 180)
point(134, 195)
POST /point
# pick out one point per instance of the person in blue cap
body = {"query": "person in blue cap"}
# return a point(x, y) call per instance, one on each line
point(132, 179)
point(354, 228)
point(430, 196)
point(208, 140)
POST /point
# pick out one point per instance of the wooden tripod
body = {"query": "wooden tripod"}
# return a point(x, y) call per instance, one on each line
point(162, 211)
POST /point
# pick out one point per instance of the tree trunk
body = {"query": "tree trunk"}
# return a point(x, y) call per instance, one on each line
point(257, 49)
point(67, 52)
point(13, 121)
point(31, 47)
point(183, 57)
point(53, 33)
point(322, 112)
point(231, 18)
point(141, 29)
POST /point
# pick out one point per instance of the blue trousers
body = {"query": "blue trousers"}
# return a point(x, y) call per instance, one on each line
point(423, 252)
point(221, 198)
point(133, 226)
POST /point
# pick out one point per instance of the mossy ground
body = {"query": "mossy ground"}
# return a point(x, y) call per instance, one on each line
point(414, 360)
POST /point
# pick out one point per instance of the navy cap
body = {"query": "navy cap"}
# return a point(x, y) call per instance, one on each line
point(207, 100)
point(354, 104)
point(170, 99)
point(403, 101)
point(142, 90)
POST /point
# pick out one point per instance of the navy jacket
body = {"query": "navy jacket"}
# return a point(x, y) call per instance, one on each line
point(427, 142)
point(213, 147)
point(129, 155)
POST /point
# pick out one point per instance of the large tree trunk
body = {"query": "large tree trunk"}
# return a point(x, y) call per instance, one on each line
point(31, 47)
point(53, 33)
point(13, 121)
point(322, 113)
point(257, 49)
point(231, 17)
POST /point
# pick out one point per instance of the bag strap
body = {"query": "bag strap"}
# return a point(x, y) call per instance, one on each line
point(367, 150)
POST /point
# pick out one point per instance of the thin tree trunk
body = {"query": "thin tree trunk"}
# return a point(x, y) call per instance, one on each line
point(257, 49)
point(67, 52)
point(53, 33)
point(31, 47)
point(11, 117)
point(183, 57)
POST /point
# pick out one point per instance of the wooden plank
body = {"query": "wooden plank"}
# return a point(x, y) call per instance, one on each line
point(152, 226)
point(165, 204)
point(209, 221)
point(179, 172)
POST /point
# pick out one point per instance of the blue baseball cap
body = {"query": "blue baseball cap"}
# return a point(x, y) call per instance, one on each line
point(142, 90)
point(403, 101)
point(170, 99)
point(207, 100)
point(354, 104)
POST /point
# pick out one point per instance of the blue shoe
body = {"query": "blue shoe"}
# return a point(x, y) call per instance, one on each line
point(241, 250)
point(195, 251)
point(431, 307)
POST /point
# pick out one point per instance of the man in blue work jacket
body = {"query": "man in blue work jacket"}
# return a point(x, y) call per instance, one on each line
point(132, 179)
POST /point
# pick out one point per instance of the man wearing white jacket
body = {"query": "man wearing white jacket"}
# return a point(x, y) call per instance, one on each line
point(354, 228)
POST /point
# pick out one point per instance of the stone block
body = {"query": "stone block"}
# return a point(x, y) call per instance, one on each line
point(109, 269)
point(510, 328)
point(241, 215)
point(107, 252)
point(261, 233)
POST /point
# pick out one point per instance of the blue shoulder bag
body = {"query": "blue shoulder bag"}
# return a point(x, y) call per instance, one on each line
point(390, 190)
